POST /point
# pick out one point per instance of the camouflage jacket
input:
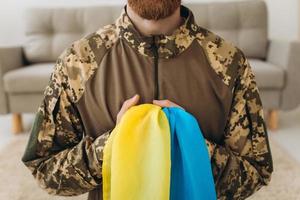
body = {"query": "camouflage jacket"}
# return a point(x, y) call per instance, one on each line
point(193, 67)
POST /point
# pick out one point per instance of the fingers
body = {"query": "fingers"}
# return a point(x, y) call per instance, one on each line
point(166, 103)
point(130, 102)
point(134, 100)
point(163, 103)
point(126, 105)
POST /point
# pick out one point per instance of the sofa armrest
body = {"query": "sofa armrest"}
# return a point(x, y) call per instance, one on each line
point(286, 54)
point(10, 58)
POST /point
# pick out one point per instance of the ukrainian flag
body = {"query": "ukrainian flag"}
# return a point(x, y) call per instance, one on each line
point(157, 154)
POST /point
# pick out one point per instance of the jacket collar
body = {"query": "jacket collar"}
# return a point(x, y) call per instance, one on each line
point(168, 45)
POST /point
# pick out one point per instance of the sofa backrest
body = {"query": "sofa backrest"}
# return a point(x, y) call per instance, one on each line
point(244, 23)
point(50, 30)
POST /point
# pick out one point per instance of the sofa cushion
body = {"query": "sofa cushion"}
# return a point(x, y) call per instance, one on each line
point(268, 75)
point(28, 79)
point(50, 30)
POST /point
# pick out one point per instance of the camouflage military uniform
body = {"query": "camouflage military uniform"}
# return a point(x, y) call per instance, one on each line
point(193, 67)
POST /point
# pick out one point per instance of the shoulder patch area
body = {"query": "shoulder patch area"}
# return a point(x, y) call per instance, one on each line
point(81, 59)
point(223, 56)
point(102, 40)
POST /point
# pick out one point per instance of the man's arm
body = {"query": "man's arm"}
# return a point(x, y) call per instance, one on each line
point(61, 158)
point(243, 164)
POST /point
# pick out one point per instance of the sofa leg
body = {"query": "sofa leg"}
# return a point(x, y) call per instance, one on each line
point(273, 120)
point(17, 125)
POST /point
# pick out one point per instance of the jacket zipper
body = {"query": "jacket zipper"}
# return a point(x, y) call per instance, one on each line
point(155, 53)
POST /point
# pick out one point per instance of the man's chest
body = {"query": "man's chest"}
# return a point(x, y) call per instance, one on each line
point(187, 80)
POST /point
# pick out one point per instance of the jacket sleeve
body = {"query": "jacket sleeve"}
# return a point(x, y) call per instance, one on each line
point(243, 163)
point(61, 158)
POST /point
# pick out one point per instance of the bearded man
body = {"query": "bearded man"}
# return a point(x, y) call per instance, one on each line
point(154, 52)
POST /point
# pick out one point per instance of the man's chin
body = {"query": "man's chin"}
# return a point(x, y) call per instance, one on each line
point(154, 9)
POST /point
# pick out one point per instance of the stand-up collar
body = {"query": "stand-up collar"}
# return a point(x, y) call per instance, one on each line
point(168, 45)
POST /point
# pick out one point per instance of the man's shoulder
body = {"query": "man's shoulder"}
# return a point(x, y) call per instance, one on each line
point(82, 57)
point(223, 56)
point(94, 45)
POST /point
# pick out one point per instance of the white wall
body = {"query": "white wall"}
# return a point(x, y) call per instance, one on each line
point(283, 20)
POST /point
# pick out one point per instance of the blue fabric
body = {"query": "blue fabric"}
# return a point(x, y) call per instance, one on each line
point(191, 174)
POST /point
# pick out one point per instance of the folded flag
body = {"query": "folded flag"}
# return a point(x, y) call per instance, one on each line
point(157, 154)
point(191, 175)
point(137, 157)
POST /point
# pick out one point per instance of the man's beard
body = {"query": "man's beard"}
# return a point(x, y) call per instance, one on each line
point(154, 9)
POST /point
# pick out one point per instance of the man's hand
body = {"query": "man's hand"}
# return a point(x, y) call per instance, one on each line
point(134, 100)
point(126, 105)
point(166, 103)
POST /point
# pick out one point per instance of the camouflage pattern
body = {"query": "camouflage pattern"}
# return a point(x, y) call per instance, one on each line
point(243, 163)
point(62, 159)
point(169, 45)
point(67, 162)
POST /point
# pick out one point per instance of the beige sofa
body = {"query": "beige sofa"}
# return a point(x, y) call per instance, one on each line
point(25, 70)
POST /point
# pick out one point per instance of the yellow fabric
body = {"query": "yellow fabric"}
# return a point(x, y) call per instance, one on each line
point(137, 160)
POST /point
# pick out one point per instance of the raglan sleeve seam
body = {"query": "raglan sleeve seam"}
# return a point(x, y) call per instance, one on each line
point(241, 161)
point(75, 165)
